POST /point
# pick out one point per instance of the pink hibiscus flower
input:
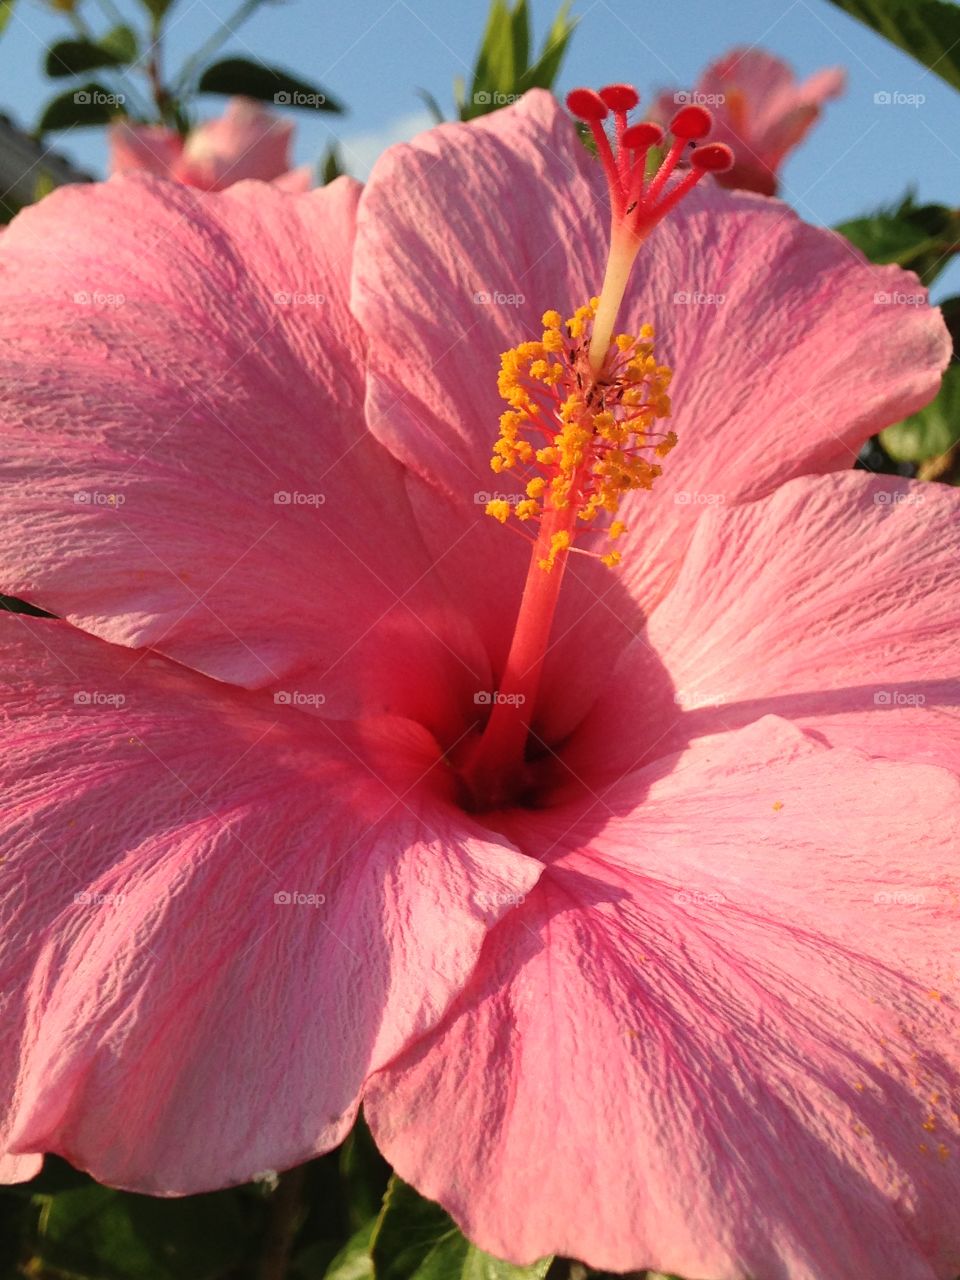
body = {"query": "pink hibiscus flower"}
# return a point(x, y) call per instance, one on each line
point(687, 997)
point(760, 109)
point(247, 141)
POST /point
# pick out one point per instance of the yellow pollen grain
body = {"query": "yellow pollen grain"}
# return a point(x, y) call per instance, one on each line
point(499, 508)
point(588, 439)
point(559, 542)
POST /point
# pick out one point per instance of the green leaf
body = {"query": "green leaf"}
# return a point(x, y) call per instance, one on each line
point(74, 57)
point(415, 1239)
point(432, 105)
point(267, 84)
point(354, 1262)
point(931, 432)
point(364, 1175)
point(122, 43)
point(6, 12)
point(503, 71)
point(87, 104)
point(157, 9)
point(99, 1234)
point(545, 70)
point(922, 238)
point(331, 166)
point(929, 30)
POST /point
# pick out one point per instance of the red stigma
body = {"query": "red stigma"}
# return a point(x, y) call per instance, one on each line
point(715, 157)
point(638, 202)
point(620, 97)
point(691, 122)
point(586, 105)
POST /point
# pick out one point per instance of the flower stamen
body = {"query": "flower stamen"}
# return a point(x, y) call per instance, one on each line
point(582, 424)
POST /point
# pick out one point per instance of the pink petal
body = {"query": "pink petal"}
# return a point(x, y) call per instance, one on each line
point(712, 1040)
point(835, 602)
point(143, 148)
point(176, 1027)
point(789, 373)
point(296, 180)
point(185, 460)
point(247, 141)
point(762, 111)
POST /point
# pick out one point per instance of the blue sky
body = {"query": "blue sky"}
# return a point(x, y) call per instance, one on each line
point(374, 54)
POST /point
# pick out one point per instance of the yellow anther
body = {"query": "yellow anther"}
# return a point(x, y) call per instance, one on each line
point(559, 542)
point(589, 438)
point(499, 508)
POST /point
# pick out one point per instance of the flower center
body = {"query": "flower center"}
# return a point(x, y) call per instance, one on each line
point(582, 422)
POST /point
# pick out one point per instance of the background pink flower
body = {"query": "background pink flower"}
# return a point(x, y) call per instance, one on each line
point(674, 968)
point(760, 109)
point(247, 141)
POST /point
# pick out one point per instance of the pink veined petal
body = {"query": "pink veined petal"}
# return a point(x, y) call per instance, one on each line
point(720, 1036)
point(296, 180)
point(760, 110)
point(170, 1024)
point(786, 358)
point(184, 456)
point(834, 603)
point(143, 148)
point(247, 141)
